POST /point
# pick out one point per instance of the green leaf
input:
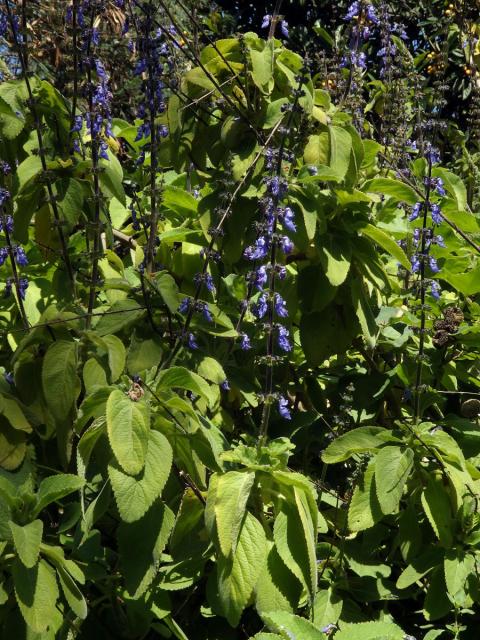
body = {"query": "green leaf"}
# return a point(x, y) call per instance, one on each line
point(340, 150)
point(27, 540)
point(134, 495)
point(309, 526)
point(324, 333)
point(26, 170)
point(364, 312)
point(291, 542)
point(211, 370)
point(10, 408)
point(335, 256)
point(128, 430)
point(143, 353)
point(394, 188)
point(466, 283)
point(11, 125)
point(36, 591)
point(458, 566)
point(291, 626)
point(419, 567)
point(370, 631)
point(387, 243)
point(232, 493)
point(364, 509)
point(327, 607)
point(61, 384)
point(262, 66)
point(438, 509)
point(392, 468)
point(54, 488)
point(72, 593)
point(454, 185)
point(111, 178)
point(277, 588)
point(116, 356)
point(168, 289)
point(179, 200)
point(358, 440)
point(182, 378)
point(238, 574)
point(121, 315)
point(141, 545)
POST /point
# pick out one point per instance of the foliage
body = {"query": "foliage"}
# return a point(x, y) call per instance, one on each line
point(239, 338)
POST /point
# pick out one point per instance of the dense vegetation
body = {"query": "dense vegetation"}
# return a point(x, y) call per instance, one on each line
point(239, 320)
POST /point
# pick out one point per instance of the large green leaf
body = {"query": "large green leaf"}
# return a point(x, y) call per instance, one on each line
point(116, 356)
point(335, 256)
point(292, 544)
point(370, 631)
point(437, 506)
point(388, 243)
point(238, 574)
point(54, 488)
point(36, 591)
point(141, 544)
point(182, 378)
point(340, 150)
point(128, 430)
point(392, 468)
point(11, 124)
point(232, 492)
point(364, 510)
point(358, 440)
point(393, 188)
point(277, 588)
point(135, 494)
point(61, 384)
point(289, 626)
point(27, 541)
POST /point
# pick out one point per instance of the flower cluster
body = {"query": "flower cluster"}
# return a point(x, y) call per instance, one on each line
point(15, 252)
point(424, 237)
point(267, 304)
point(98, 118)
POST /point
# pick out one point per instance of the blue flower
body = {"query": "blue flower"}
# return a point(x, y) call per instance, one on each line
point(280, 306)
point(415, 260)
point(258, 251)
point(261, 277)
point(439, 241)
point(8, 375)
point(245, 342)
point(260, 308)
point(283, 408)
point(288, 219)
point(284, 28)
point(435, 289)
point(77, 124)
point(7, 224)
point(202, 307)
point(184, 306)
point(283, 338)
point(3, 255)
point(22, 287)
point(191, 341)
point(436, 214)
point(417, 207)
point(225, 385)
point(20, 256)
point(266, 21)
point(352, 11)
point(4, 196)
point(432, 263)
point(286, 244)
